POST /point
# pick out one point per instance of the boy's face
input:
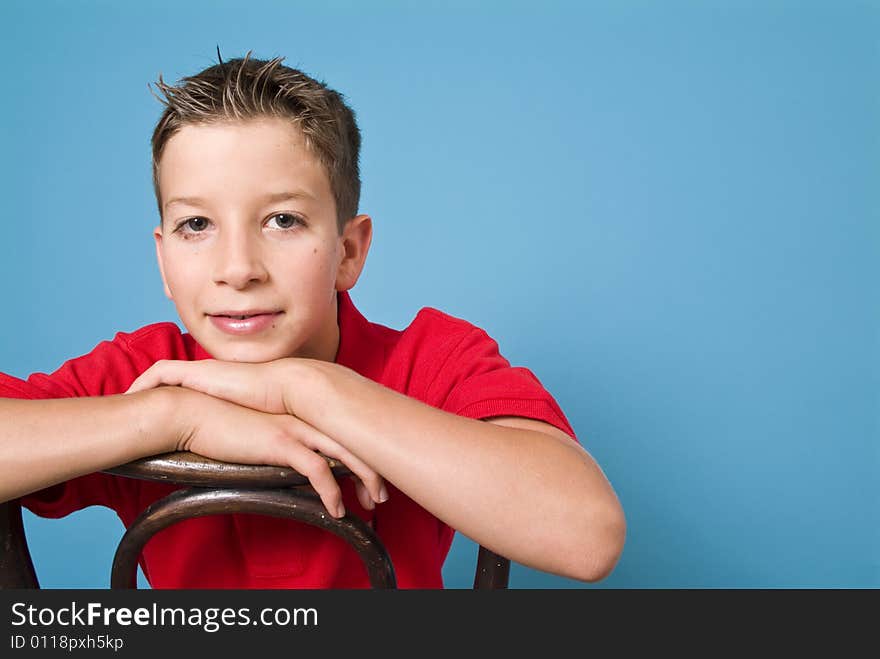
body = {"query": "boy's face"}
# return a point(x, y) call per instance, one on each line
point(249, 229)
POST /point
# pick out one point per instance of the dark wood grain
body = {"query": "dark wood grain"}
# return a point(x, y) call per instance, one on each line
point(185, 468)
point(221, 488)
point(290, 504)
point(16, 567)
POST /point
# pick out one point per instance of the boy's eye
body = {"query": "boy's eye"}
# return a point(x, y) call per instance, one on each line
point(195, 224)
point(285, 220)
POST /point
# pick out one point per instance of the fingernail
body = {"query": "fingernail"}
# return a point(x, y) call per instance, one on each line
point(340, 510)
point(383, 494)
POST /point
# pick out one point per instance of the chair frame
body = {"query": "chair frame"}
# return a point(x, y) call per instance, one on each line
point(214, 488)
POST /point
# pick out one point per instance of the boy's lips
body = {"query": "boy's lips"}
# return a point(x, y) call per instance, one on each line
point(250, 321)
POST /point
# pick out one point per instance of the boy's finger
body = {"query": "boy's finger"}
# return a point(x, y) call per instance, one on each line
point(162, 372)
point(363, 495)
point(140, 384)
point(316, 469)
point(369, 479)
point(248, 385)
point(318, 441)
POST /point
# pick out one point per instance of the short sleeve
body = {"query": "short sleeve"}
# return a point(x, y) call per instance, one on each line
point(108, 369)
point(476, 381)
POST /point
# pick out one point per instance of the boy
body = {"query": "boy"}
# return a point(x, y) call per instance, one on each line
point(255, 170)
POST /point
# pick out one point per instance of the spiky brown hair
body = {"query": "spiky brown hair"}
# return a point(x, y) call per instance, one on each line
point(248, 88)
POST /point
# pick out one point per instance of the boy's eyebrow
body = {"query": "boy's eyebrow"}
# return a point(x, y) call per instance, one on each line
point(272, 198)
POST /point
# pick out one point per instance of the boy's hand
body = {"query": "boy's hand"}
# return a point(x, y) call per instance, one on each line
point(257, 386)
point(283, 438)
point(231, 433)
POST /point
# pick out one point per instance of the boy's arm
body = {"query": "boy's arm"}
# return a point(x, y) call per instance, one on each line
point(46, 442)
point(517, 486)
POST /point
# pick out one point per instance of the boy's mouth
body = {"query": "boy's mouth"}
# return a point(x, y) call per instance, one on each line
point(244, 321)
point(241, 315)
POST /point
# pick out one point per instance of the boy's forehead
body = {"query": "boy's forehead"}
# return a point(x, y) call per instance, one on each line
point(267, 156)
point(260, 131)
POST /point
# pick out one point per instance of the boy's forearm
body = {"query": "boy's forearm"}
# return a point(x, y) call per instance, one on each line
point(535, 498)
point(45, 442)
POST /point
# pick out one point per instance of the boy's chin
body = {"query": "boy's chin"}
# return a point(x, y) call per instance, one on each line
point(246, 354)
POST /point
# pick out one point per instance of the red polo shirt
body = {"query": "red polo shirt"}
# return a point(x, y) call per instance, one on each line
point(441, 360)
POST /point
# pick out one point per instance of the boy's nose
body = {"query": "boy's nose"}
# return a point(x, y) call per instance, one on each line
point(239, 262)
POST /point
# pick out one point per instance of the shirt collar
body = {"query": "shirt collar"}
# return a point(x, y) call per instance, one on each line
point(360, 344)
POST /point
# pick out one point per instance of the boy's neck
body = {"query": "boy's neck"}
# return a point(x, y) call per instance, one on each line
point(326, 344)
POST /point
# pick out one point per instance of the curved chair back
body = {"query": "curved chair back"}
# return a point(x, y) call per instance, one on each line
point(215, 488)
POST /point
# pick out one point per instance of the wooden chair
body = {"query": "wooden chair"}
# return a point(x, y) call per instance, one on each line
point(214, 488)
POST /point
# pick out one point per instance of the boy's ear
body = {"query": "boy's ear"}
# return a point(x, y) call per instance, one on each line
point(356, 237)
point(157, 236)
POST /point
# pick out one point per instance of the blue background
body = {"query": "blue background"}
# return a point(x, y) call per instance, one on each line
point(668, 211)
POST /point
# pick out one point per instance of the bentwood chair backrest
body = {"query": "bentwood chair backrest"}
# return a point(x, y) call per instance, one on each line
point(211, 488)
